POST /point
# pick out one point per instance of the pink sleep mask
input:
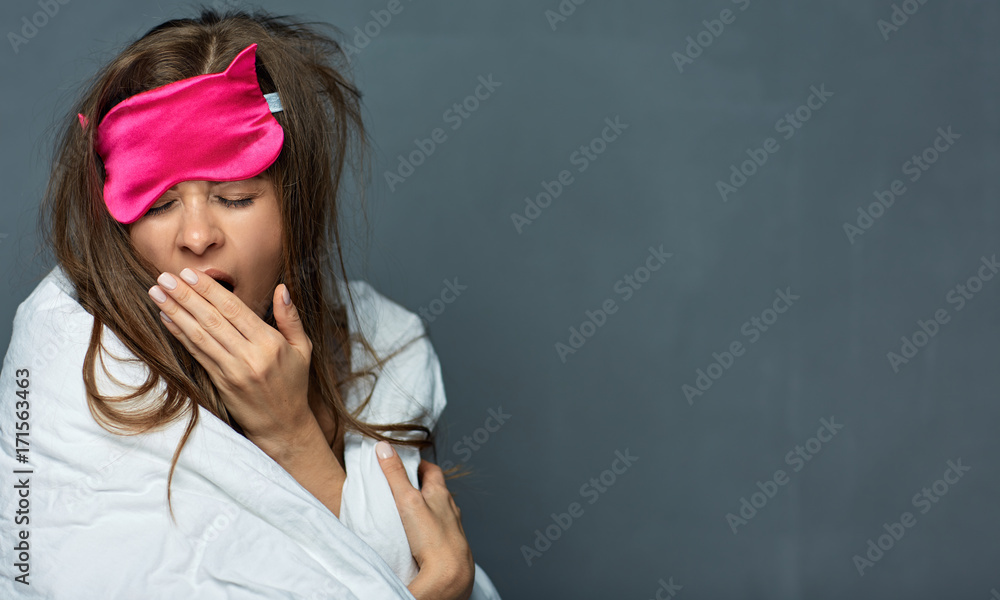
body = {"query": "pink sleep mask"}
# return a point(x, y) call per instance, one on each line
point(214, 127)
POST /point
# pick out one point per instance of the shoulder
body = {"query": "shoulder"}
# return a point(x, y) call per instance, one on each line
point(50, 337)
point(409, 386)
point(54, 293)
point(51, 313)
point(382, 321)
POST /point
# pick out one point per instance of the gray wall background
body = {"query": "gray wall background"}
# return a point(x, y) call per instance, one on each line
point(664, 519)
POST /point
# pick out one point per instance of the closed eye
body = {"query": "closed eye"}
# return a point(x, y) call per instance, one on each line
point(227, 202)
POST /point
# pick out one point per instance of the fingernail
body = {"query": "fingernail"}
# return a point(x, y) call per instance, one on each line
point(167, 280)
point(286, 296)
point(157, 294)
point(383, 449)
point(189, 276)
point(165, 317)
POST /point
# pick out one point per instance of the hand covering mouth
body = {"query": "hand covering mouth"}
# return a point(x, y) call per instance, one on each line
point(224, 279)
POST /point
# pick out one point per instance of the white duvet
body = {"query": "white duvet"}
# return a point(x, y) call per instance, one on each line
point(92, 504)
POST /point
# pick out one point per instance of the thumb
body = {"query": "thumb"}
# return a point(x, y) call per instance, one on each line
point(286, 316)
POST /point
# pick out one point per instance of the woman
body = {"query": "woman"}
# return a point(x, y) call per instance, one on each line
point(193, 213)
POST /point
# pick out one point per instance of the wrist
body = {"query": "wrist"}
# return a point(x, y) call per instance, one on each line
point(422, 587)
point(286, 447)
point(429, 584)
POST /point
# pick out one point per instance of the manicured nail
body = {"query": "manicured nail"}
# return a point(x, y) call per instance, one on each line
point(167, 280)
point(189, 276)
point(285, 295)
point(157, 294)
point(165, 317)
point(383, 449)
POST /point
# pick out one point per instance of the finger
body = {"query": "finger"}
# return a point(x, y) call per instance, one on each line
point(395, 474)
point(206, 361)
point(219, 311)
point(212, 301)
point(286, 317)
point(187, 329)
point(435, 489)
point(430, 473)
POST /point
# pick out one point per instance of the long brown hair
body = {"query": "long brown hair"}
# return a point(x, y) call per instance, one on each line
point(323, 132)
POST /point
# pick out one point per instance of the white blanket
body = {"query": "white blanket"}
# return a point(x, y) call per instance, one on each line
point(92, 504)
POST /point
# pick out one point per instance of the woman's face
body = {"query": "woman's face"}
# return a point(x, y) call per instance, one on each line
point(196, 224)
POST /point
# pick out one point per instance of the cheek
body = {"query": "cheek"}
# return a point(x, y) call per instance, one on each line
point(262, 252)
point(264, 245)
point(143, 241)
point(270, 243)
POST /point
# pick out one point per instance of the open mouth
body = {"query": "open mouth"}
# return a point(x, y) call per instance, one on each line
point(225, 284)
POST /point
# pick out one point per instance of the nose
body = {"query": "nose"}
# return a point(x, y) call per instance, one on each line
point(199, 227)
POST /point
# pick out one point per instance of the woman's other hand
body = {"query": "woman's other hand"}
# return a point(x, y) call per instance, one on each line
point(433, 525)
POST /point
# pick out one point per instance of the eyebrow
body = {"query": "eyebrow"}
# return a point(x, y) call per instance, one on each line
point(215, 183)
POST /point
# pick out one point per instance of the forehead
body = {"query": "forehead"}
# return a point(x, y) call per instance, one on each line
point(255, 179)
